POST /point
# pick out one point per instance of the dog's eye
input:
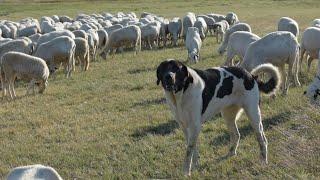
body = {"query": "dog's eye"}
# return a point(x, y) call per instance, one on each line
point(305, 92)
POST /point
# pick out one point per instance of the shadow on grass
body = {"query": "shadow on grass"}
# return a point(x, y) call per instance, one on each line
point(160, 129)
point(223, 139)
point(141, 70)
point(149, 102)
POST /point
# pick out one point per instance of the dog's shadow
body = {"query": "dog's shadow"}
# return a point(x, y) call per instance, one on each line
point(160, 129)
point(244, 131)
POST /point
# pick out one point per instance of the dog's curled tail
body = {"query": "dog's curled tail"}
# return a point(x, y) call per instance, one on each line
point(273, 83)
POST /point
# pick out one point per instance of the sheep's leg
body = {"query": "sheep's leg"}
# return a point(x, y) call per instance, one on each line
point(11, 87)
point(310, 59)
point(284, 79)
point(4, 86)
point(230, 56)
point(301, 59)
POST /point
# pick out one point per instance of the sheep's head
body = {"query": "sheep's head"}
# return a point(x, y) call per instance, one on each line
point(313, 91)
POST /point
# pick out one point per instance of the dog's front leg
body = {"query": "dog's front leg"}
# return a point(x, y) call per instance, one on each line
point(191, 158)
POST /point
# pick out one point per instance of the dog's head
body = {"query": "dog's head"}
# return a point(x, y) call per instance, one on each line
point(173, 75)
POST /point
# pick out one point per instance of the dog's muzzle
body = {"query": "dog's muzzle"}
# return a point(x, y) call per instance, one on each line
point(168, 82)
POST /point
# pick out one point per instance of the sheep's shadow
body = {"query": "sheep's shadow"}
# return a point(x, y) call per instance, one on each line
point(149, 102)
point(268, 123)
point(160, 129)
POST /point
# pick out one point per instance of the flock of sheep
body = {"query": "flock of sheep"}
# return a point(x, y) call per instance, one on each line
point(31, 50)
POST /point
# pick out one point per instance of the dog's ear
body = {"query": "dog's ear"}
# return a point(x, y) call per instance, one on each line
point(189, 78)
point(159, 69)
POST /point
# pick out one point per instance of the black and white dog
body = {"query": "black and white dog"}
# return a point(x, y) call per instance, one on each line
point(196, 95)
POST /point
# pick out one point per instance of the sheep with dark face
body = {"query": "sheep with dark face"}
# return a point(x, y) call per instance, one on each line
point(232, 18)
point(23, 66)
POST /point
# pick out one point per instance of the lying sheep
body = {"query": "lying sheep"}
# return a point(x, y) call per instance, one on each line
point(202, 27)
point(187, 21)
point(26, 67)
point(313, 91)
point(310, 44)
point(232, 29)
point(174, 28)
point(80, 33)
point(288, 24)
point(278, 48)
point(18, 45)
point(193, 44)
point(49, 36)
point(130, 35)
point(35, 172)
point(58, 51)
point(82, 53)
point(232, 18)
point(220, 28)
point(238, 44)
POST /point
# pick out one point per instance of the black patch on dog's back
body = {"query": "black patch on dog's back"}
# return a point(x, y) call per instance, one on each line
point(211, 78)
point(226, 88)
point(248, 80)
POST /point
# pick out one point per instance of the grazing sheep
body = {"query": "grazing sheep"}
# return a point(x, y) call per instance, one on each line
point(18, 45)
point(47, 27)
point(187, 21)
point(93, 35)
point(103, 39)
point(202, 27)
point(35, 172)
point(217, 17)
point(313, 91)
point(130, 35)
point(232, 18)
point(220, 28)
point(163, 36)
point(65, 19)
point(238, 44)
point(49, 36)
point(232, 29)
point(278, 48)
point(316, 23)
point(209, 21)
point(58, 50)
point(80, 33)
point(82, 53)
point(174, 28)
point(26, 67)
point(310, 44)
point(288, 24)
point(193, 44)
point(150, 33)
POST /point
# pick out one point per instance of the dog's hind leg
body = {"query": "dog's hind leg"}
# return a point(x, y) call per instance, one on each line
point(253, 112)
point(230, 115)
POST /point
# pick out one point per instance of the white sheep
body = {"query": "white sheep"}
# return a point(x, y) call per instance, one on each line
point(129, 36)
point(47, 27)
point(278, 48)
point(202, 27)
point(49, 36)
point(316, 23)
point(103, 40)
point(232, 18)
point(34, 38)
point(232, 29)
point(82, 53)
point(187, 21)
point(80, 33)
point(34, 172)
point(220, 28)
point(28, 31)
point(150, 34)
point(209, 21)
point(174, 28)
point(58, 50)
point(238, 44)
point(18, 45)
point(26, 67)
point(310, 44)
point(288, 24)
point(193, 44)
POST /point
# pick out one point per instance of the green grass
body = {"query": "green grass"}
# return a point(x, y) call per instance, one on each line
point(112, 121)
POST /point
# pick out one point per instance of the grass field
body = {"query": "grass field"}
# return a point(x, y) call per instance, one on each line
point(112, 121)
